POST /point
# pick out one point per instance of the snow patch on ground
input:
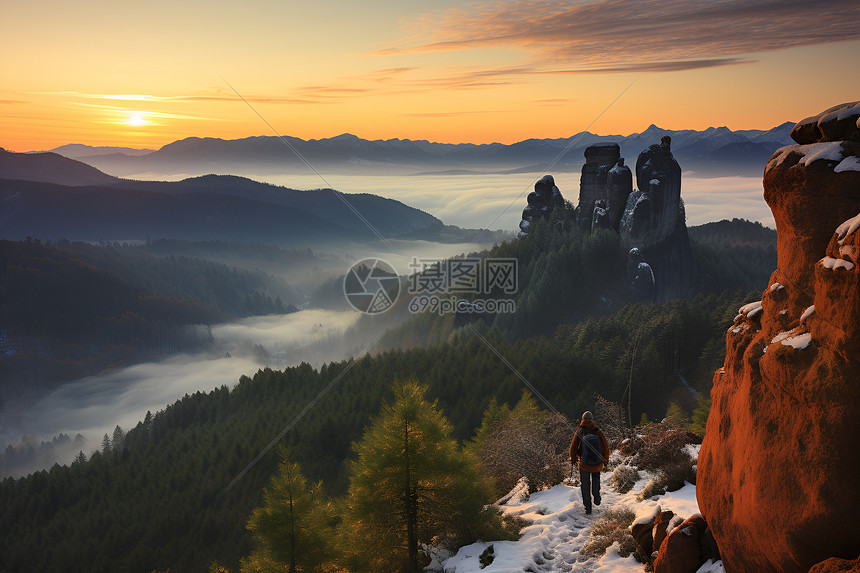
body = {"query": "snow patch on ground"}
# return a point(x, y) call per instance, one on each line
point(559, 530)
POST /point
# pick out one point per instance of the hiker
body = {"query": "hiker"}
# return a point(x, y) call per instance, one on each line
point(590, 447)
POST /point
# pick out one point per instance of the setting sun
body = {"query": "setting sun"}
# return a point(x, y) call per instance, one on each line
point(136, 120)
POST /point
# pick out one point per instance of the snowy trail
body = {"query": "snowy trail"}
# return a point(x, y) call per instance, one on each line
point(559, 530)
point(553, 542)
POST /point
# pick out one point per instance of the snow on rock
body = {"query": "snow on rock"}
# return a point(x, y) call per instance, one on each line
point(850, 163)
point(711, 566)
point(673, 524)
point(776, 286)
point(847, 228)
point(809, 153)
point(798, 342)
point(842, 113)
point(646, 513)
point(751, 309)
point(833, 264)
point(807, 313)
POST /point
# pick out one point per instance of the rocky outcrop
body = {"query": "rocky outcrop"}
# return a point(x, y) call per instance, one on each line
point(777, 473)
point(680, 551)
point(839, 123)
point(541, 202)
point(672, 544)
point(654, 223)
point(603, 181)
point(650, 219)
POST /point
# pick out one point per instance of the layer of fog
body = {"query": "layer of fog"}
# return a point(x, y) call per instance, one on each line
point(496, 201)
point(95, 405)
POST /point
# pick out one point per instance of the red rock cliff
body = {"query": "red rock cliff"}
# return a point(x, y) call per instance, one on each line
point(779, 469)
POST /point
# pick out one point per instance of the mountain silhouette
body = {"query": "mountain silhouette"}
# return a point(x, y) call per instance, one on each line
point(710, 150)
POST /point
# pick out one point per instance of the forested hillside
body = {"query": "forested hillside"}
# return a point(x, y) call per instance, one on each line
point(159, 493)
point(72, 309)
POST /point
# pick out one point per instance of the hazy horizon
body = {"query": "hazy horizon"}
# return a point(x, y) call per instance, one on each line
point(263, 133)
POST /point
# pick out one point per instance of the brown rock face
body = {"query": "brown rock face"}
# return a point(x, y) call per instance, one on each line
point(835, 565)
point(779, 466)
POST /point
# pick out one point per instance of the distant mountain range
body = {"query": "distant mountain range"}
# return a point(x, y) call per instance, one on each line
point(48, 196)
point(714, 151)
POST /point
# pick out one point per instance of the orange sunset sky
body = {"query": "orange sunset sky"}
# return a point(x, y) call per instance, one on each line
point(144, 74)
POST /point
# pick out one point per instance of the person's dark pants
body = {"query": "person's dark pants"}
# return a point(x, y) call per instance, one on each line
point(590, 485)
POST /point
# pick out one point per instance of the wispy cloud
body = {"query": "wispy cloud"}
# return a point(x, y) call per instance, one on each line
point(145, 113)
point(635, 35)
point(213, 96)
point(11, 101)
point(452, 113)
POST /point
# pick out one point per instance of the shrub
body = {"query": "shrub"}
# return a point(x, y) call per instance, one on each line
point(624, 478)
point(523, 442)
point(664, 448)
point(612, 526)
point(673, 476)
point(663, 453)
point(515, 449)
point(670, 477)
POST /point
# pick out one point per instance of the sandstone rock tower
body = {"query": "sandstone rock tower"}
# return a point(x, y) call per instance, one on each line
point(779, 466)
point(653, 225)
point(603, 187)
point(541, 203)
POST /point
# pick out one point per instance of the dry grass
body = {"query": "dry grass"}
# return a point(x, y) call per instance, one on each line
point(624, 478)
point(610, 527)
point(670, 478)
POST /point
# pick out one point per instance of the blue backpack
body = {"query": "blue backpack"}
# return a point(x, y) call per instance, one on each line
point(591, 452)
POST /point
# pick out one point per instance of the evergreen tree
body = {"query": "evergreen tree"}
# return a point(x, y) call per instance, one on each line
point(675, 415)
point(700, 415)
point(527, 410)
point(118, 440)
point(106, 449)
point(291, 529)
point(493, 415)
point(410, 483)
